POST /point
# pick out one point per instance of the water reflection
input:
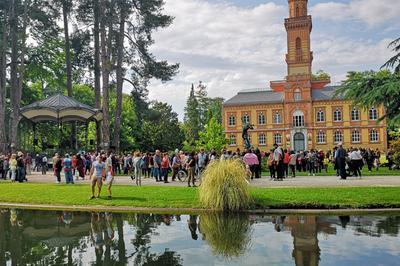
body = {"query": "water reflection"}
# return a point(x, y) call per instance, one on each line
point(79, 238)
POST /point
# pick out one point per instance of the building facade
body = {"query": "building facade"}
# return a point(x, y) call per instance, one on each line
point(301, 113)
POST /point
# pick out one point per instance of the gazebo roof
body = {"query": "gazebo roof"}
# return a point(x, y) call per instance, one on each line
point(60, 108)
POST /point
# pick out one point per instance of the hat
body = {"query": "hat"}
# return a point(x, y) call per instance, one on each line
point(340, 144)
point(20, 153)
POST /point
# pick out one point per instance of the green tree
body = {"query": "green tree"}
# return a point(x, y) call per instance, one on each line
point(370, 88)
point(162, 129)
point(394, 61)
point(213, 136)
point(192, 118)
point(320, 75)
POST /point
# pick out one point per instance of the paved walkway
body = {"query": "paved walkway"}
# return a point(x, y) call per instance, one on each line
point(302, 181)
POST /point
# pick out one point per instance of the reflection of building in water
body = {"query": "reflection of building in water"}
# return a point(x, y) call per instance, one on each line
point(305, 231)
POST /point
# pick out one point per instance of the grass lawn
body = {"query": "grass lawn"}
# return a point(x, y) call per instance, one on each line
point(183, 197)
point(383, 171)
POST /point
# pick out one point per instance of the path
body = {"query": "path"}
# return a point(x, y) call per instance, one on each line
point(302, 181)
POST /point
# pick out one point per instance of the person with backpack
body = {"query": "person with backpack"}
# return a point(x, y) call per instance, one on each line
point(67, 164)
point(176, 165)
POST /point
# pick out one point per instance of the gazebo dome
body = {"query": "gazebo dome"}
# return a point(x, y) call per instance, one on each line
point(60, 108)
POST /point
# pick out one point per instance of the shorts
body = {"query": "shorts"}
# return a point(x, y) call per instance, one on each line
point(96, 178)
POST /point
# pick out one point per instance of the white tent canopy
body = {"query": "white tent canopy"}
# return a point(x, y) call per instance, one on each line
point(60, 108)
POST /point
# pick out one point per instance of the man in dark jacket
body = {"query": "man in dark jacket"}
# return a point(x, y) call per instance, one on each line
point(340, 158)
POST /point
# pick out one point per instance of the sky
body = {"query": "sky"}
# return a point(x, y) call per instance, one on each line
point(231, 45)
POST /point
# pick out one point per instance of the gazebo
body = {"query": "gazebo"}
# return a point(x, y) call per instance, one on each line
point(60, 108)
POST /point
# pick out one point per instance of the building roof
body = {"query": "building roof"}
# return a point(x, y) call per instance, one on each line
point(255, 96)
point(60, 108)
point(327, 93)
point(265, 96)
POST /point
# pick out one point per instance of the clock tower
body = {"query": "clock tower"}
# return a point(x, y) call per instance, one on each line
point(298, 27)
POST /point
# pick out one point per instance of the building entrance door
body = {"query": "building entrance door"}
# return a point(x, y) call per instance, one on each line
point(299, 141)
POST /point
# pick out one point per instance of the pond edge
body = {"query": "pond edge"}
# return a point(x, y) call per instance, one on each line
point(99, 208)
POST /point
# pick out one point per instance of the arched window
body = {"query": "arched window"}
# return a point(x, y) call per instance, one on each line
point(297, 11)
point(338, 137)
point(321, 137)
point(373, 136)
point(320, 116)
point(298, 49)
point(277, 118)
point(297, 95)
point(337, 115)
point(261, 119)
point(355, 114)
point(232, 140)
point(298, 119)
point(278, 138)
point(262, 140)
point(231, 120)
point(246, 119)
point(355, 136)
point(373, 114)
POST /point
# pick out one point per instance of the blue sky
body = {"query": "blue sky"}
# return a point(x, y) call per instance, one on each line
point(232, 45)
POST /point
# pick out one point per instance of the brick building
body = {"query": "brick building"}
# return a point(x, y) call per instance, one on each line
point(301, 113)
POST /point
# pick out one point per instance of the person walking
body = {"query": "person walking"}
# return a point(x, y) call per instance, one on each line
point(57, 167)
point(67, 164)
point(97, 172)
point(340, 157)
point(202, 160)
point(109, 177)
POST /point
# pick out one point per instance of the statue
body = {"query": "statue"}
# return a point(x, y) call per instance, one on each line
point(245, 135)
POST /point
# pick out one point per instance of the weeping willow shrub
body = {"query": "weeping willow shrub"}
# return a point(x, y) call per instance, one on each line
point(224, 186)
point(228, 234)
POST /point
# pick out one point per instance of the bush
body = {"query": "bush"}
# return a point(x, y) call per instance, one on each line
point(224, 186)
point(228, 234)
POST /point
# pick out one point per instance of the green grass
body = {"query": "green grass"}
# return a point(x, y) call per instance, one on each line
point(183, 197)
point(383, 171)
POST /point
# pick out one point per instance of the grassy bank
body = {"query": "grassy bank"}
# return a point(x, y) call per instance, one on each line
point(183, 197)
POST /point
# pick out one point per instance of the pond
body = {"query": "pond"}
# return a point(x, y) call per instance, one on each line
point(81, 238)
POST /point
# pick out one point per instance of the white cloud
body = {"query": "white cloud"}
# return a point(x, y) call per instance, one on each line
point(231, 48)
point(371, 12)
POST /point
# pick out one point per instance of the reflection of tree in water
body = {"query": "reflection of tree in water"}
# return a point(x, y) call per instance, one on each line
point(145, 226)
point(228, 235)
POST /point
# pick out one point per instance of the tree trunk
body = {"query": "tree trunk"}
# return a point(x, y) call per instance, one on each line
point(120, 76)
point(3, 79)
point(15, 95)
point(105, 69)
point(97, 73)
point(67, 47)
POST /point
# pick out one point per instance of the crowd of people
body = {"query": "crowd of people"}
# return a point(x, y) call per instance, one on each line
point(101, 167)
